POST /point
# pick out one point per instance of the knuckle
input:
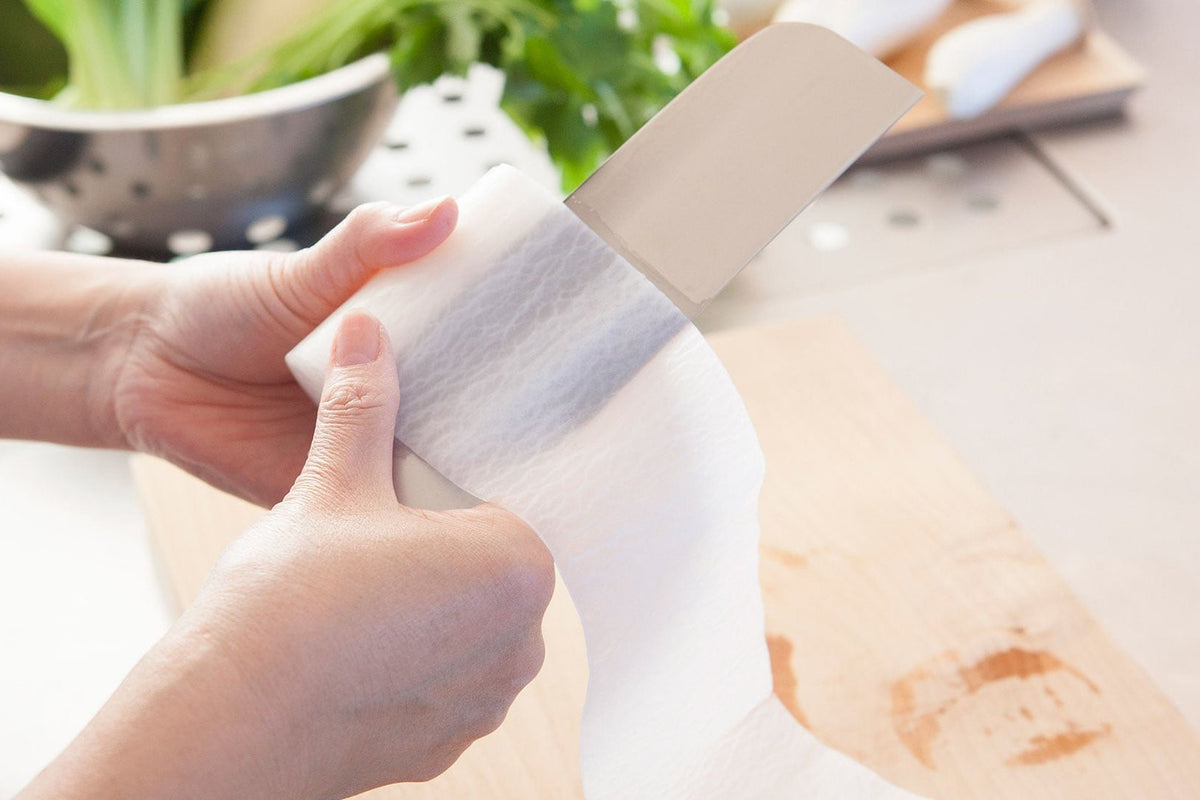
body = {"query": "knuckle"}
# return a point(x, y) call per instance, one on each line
point(365, 215)
point(493, 720)
point(437, 762)
point(351, 399)
point(487, 717)
point(526, 579)
point(354, 234)
point(323, 484)
point(527, 661)
point(520, 568)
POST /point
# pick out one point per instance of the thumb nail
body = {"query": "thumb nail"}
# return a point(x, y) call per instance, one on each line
point(421, 212)
point(357, 340)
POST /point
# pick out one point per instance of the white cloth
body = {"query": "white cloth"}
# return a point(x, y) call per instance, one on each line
point(540, 371)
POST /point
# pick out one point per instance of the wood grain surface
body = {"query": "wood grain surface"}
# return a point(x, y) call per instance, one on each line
point(911, 624)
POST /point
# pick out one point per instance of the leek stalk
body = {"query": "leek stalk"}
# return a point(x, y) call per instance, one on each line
point(121, 54)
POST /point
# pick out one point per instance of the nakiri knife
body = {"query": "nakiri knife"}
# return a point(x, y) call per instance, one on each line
point(688, 201)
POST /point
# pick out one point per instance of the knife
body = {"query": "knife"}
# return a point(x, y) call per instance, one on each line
point(722, 169)
point(710, 180)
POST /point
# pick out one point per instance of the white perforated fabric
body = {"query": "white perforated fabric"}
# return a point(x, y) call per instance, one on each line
point(540, 371)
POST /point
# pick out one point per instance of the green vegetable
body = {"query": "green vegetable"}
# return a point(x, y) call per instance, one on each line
point(32, 62)
point(582, 75)
point(121, 54)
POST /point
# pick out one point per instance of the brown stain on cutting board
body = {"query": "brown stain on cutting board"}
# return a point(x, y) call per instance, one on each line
point(1016, 663)
point(786, 687)
point(916, 731)
point(1049, 748)
point(785, 558)
point(944, 683)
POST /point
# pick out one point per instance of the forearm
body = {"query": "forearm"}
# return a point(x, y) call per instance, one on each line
point(65, 325)
point(186, 723)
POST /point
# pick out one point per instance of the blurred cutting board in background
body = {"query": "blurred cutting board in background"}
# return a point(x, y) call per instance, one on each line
point(911, 624)
point(1091, 80)
point(1088, 81)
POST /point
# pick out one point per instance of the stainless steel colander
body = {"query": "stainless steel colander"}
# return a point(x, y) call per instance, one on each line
point(186, 178)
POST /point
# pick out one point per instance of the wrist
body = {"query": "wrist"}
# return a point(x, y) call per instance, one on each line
point(66, 326)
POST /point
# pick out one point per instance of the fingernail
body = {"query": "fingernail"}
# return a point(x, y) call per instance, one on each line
point(421, 212)
point(357, 340)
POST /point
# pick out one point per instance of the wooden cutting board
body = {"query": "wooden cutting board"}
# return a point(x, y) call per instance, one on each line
point(1092, 79)
point(911, 623)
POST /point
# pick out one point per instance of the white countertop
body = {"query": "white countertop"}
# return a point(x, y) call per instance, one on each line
point(1066, 372)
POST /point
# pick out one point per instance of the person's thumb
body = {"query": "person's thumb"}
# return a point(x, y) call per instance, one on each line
point(372, 237)
point(351, 453)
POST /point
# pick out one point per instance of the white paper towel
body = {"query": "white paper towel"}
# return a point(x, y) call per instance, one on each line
point(540, 371)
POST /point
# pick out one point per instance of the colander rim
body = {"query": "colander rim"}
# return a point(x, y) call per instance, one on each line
point(333, 85)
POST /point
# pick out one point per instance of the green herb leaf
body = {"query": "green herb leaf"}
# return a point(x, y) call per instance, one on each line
point(581, 75)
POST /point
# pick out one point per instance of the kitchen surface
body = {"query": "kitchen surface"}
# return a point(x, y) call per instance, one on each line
point(1033, 295)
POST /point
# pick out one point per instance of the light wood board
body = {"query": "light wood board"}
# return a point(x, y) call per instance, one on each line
point(1092, 79)
point(911, 623)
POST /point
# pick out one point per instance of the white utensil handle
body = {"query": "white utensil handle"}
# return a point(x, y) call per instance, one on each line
point(974, 66)
point(877, 26)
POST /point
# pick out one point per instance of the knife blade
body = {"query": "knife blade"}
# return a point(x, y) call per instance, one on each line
point(721, 170)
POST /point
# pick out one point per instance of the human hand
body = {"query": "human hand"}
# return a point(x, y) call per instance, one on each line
point(203, 382)
point(342, 643)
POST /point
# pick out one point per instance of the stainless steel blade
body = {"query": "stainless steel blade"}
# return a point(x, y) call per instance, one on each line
point(712, 178)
